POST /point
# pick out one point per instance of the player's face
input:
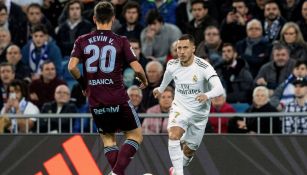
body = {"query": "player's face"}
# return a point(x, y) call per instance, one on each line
point(131, 15)
point(260, 98)
point(75, 11)
point(39, 38)
point(185, 50)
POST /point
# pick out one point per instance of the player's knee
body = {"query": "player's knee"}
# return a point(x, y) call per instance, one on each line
point(175, 133)
point(187, 151)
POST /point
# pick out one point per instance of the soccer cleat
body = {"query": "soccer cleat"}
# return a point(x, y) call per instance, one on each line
point(171, 171)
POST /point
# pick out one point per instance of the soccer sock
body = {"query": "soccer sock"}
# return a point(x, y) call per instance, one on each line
point(186, 160)
point(176, 156)
point(126, 153)
point(111, 155)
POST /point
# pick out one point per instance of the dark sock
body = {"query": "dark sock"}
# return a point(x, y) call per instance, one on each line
point(111, 154)
point(126, 153)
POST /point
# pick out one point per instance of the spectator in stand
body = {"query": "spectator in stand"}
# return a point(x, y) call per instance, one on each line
point(60, 105)
point(211, 46)
point(166, 9)
point(291, 9)
point(273, 21)
point(261, 104)
point(237, 125)
point(201, 20)
point(303, 22)
point(172, 53)
point(158, 36)
point(284, 93)
point(39, 49)
point(5, 42)
point(13, 56)
point(154, 71)
point(219, 105)
point(35, 16)
point(73, 27)
point(15, 19)
point(18, 103)
point(52, 9)
point(136, 96)
point(42, 89)
point(233, 27)
point(159, 125)
point(235, 76)
point(297, 124)
point(257, 10)
point(292, 37)
point(7, 75)
point(132, 27)
point(254, 49)
point(276, 71)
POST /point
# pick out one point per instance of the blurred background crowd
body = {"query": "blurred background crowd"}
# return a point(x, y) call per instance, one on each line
point(257, 47)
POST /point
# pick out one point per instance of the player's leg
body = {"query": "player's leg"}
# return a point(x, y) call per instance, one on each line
point(174, 148)
point(131, 126)
point(188, 154)
point(110, 147)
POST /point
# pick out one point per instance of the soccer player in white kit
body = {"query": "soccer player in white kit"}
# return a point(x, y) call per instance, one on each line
point(196, 82)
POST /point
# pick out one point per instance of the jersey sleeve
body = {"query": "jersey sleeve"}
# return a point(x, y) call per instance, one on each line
point(77, 51)
point(167, 78)
point(209, 72)
point(129, 54)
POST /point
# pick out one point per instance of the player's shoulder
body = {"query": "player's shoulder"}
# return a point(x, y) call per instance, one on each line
point(85, 36)
point(201, 63)
point(173, 62)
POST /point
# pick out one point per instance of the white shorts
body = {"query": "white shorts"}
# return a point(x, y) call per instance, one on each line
point(193, 123)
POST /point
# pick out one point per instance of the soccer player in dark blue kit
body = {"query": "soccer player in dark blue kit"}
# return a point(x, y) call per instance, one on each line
point(102, 54)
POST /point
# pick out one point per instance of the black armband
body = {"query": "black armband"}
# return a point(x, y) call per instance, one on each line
point(82, 82)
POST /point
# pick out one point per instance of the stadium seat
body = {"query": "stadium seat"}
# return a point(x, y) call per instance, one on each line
point(240, 107)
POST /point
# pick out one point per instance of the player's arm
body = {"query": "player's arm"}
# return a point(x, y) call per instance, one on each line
point(75, 72)
point(216, 90)
point(140, 73)
point(167, 78)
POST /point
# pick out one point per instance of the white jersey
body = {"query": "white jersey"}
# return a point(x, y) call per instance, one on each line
point(189, 81)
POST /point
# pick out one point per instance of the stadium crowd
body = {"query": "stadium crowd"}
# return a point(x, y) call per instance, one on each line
point(258, 48)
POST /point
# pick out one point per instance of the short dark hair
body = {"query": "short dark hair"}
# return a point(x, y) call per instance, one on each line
point(205, 4)
point(3, 6)
point(104, 11)
point(45, 63)
point(34, 5)
point(152, 16)
point(131, 5)
point(134, 40)
point(71, 2)
point(23, 88)
point(272, 2)
point(39, 28)
point(4, 64)
point(187, 37)
point(229, 45)
point(299, 63)
point(279, 46)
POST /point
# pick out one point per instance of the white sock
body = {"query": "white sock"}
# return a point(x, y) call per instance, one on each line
point(176, 156)
point(186, 160)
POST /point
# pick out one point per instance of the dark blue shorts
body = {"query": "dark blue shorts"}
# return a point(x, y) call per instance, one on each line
point(115, 118)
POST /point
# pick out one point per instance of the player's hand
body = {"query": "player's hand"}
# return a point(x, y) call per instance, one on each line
point(143, 85)
point(201, 97)
point(156, 93)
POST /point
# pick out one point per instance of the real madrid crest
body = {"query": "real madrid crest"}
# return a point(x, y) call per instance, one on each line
point(194, 78)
